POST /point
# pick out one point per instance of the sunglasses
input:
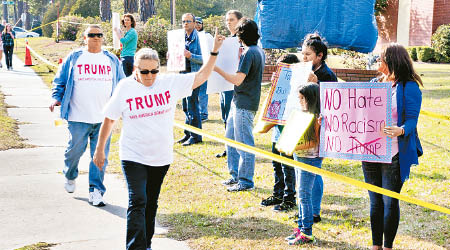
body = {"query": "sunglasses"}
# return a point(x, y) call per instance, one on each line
point(153, 71)
point(92, 35)
point(186, 21)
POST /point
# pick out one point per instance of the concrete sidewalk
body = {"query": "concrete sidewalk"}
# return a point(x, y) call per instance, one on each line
point(34, 207)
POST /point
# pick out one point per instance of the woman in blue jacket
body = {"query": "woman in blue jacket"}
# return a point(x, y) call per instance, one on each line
point(406, 148)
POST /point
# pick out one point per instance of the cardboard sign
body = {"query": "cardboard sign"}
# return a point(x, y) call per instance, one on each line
point(354, 115)
point(296, 126)
point(175, 49)
point(283, 95)
point(228, 61)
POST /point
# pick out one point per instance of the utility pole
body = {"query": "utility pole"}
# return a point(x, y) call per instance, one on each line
point(173, 16)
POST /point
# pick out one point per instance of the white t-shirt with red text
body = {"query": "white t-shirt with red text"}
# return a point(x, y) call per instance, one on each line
point(92, 87)
point(148, 114)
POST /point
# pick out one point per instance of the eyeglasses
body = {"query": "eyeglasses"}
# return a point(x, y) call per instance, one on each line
point(186, 21)
point(153, 71)
point(92, 35)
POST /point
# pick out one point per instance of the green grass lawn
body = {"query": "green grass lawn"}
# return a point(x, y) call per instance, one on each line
point(197, 208)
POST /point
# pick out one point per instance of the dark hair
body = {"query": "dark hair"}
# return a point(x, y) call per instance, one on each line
point(237, 13)
point(311, 93)
point(289, 58)
point(133, 21)
point(314, 41)
point(400, 64)
point(247, 31)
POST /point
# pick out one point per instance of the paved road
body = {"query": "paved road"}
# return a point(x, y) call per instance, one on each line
point(34, 207)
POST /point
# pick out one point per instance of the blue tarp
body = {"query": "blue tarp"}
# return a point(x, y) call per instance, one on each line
point(347, 24)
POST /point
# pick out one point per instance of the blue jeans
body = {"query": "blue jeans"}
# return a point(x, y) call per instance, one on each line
point(127, 65)
point(144, 185)
point(80, 132)
point(240, 163)
point(191, 109)
point(225, 104)
point(284, 187)
point(317, 194)
point(203, 101)
point(305, 182)
point(384, 210)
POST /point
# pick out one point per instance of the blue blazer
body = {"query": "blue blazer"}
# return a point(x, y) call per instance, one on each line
point(409, 100)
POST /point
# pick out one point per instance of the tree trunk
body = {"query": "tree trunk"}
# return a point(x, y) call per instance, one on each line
point(130, 6)
point(147, 9)
point(105, 10)
point(28, 21)
point(20, 11)
point(16, 18)
point(5, 12)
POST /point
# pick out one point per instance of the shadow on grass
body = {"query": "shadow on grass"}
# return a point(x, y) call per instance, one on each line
point(191, 225)
point(434, 176)
point(435, 145)
point(436, 93)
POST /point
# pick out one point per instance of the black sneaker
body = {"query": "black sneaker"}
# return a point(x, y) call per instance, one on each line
point(284, 206)
point(272, 200)
point(316, 218)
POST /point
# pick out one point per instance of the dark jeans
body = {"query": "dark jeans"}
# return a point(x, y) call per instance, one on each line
point(144, 184)
point(127, 65)
point(8, 50)
point(191, 108)
point(384, 210)
point(284, 178)
point(225, 104)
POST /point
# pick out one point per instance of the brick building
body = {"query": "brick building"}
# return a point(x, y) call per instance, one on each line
point(411, 22)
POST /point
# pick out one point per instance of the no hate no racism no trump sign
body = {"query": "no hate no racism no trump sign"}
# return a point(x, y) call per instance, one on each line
point(354, 115)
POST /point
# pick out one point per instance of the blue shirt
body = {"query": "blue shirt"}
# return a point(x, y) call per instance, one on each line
point(129, 42)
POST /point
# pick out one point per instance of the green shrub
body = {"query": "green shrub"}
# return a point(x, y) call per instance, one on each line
point(49, 16)
point(440, 41)
point(69, 31)
point(425, 54)
point(86, 8)
point(154, 35)
point(210, 24)
point(412, 51)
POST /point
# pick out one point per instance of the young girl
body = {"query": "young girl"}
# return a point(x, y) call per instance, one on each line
point(315, 50)
point(307, 151)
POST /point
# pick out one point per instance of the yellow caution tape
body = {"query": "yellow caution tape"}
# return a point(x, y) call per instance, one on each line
point(319, 171)
point(439, 116)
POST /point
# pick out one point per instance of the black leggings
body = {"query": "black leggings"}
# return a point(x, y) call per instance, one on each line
point(8, 50)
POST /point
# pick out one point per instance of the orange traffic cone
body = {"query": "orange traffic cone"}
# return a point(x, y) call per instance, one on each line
point(27, 56)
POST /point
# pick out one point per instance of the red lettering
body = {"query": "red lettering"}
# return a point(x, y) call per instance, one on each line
point(79, 68)
point(94, 69)
point(146, 102)
point(101, 69)
point(86, 69)
point(159, 99)
point(167, 94)
point(108, 68)
point(139, 102)
point(129, 102)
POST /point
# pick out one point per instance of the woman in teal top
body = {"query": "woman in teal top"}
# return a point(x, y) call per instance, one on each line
point(128, 41)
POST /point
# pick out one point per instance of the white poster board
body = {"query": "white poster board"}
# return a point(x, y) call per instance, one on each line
point(115, 22)
point(300, 73)
point(228, 61)
point(175, 49)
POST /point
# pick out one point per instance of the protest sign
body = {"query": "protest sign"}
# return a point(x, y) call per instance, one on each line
point(296, 126)
point(115, 22)
point(175, 49)
point(228, 61)
point(353, 116)
point(283, 95)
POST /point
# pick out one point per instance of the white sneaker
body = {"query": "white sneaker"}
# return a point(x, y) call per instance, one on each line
point(96, 198)
point(69, 185)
